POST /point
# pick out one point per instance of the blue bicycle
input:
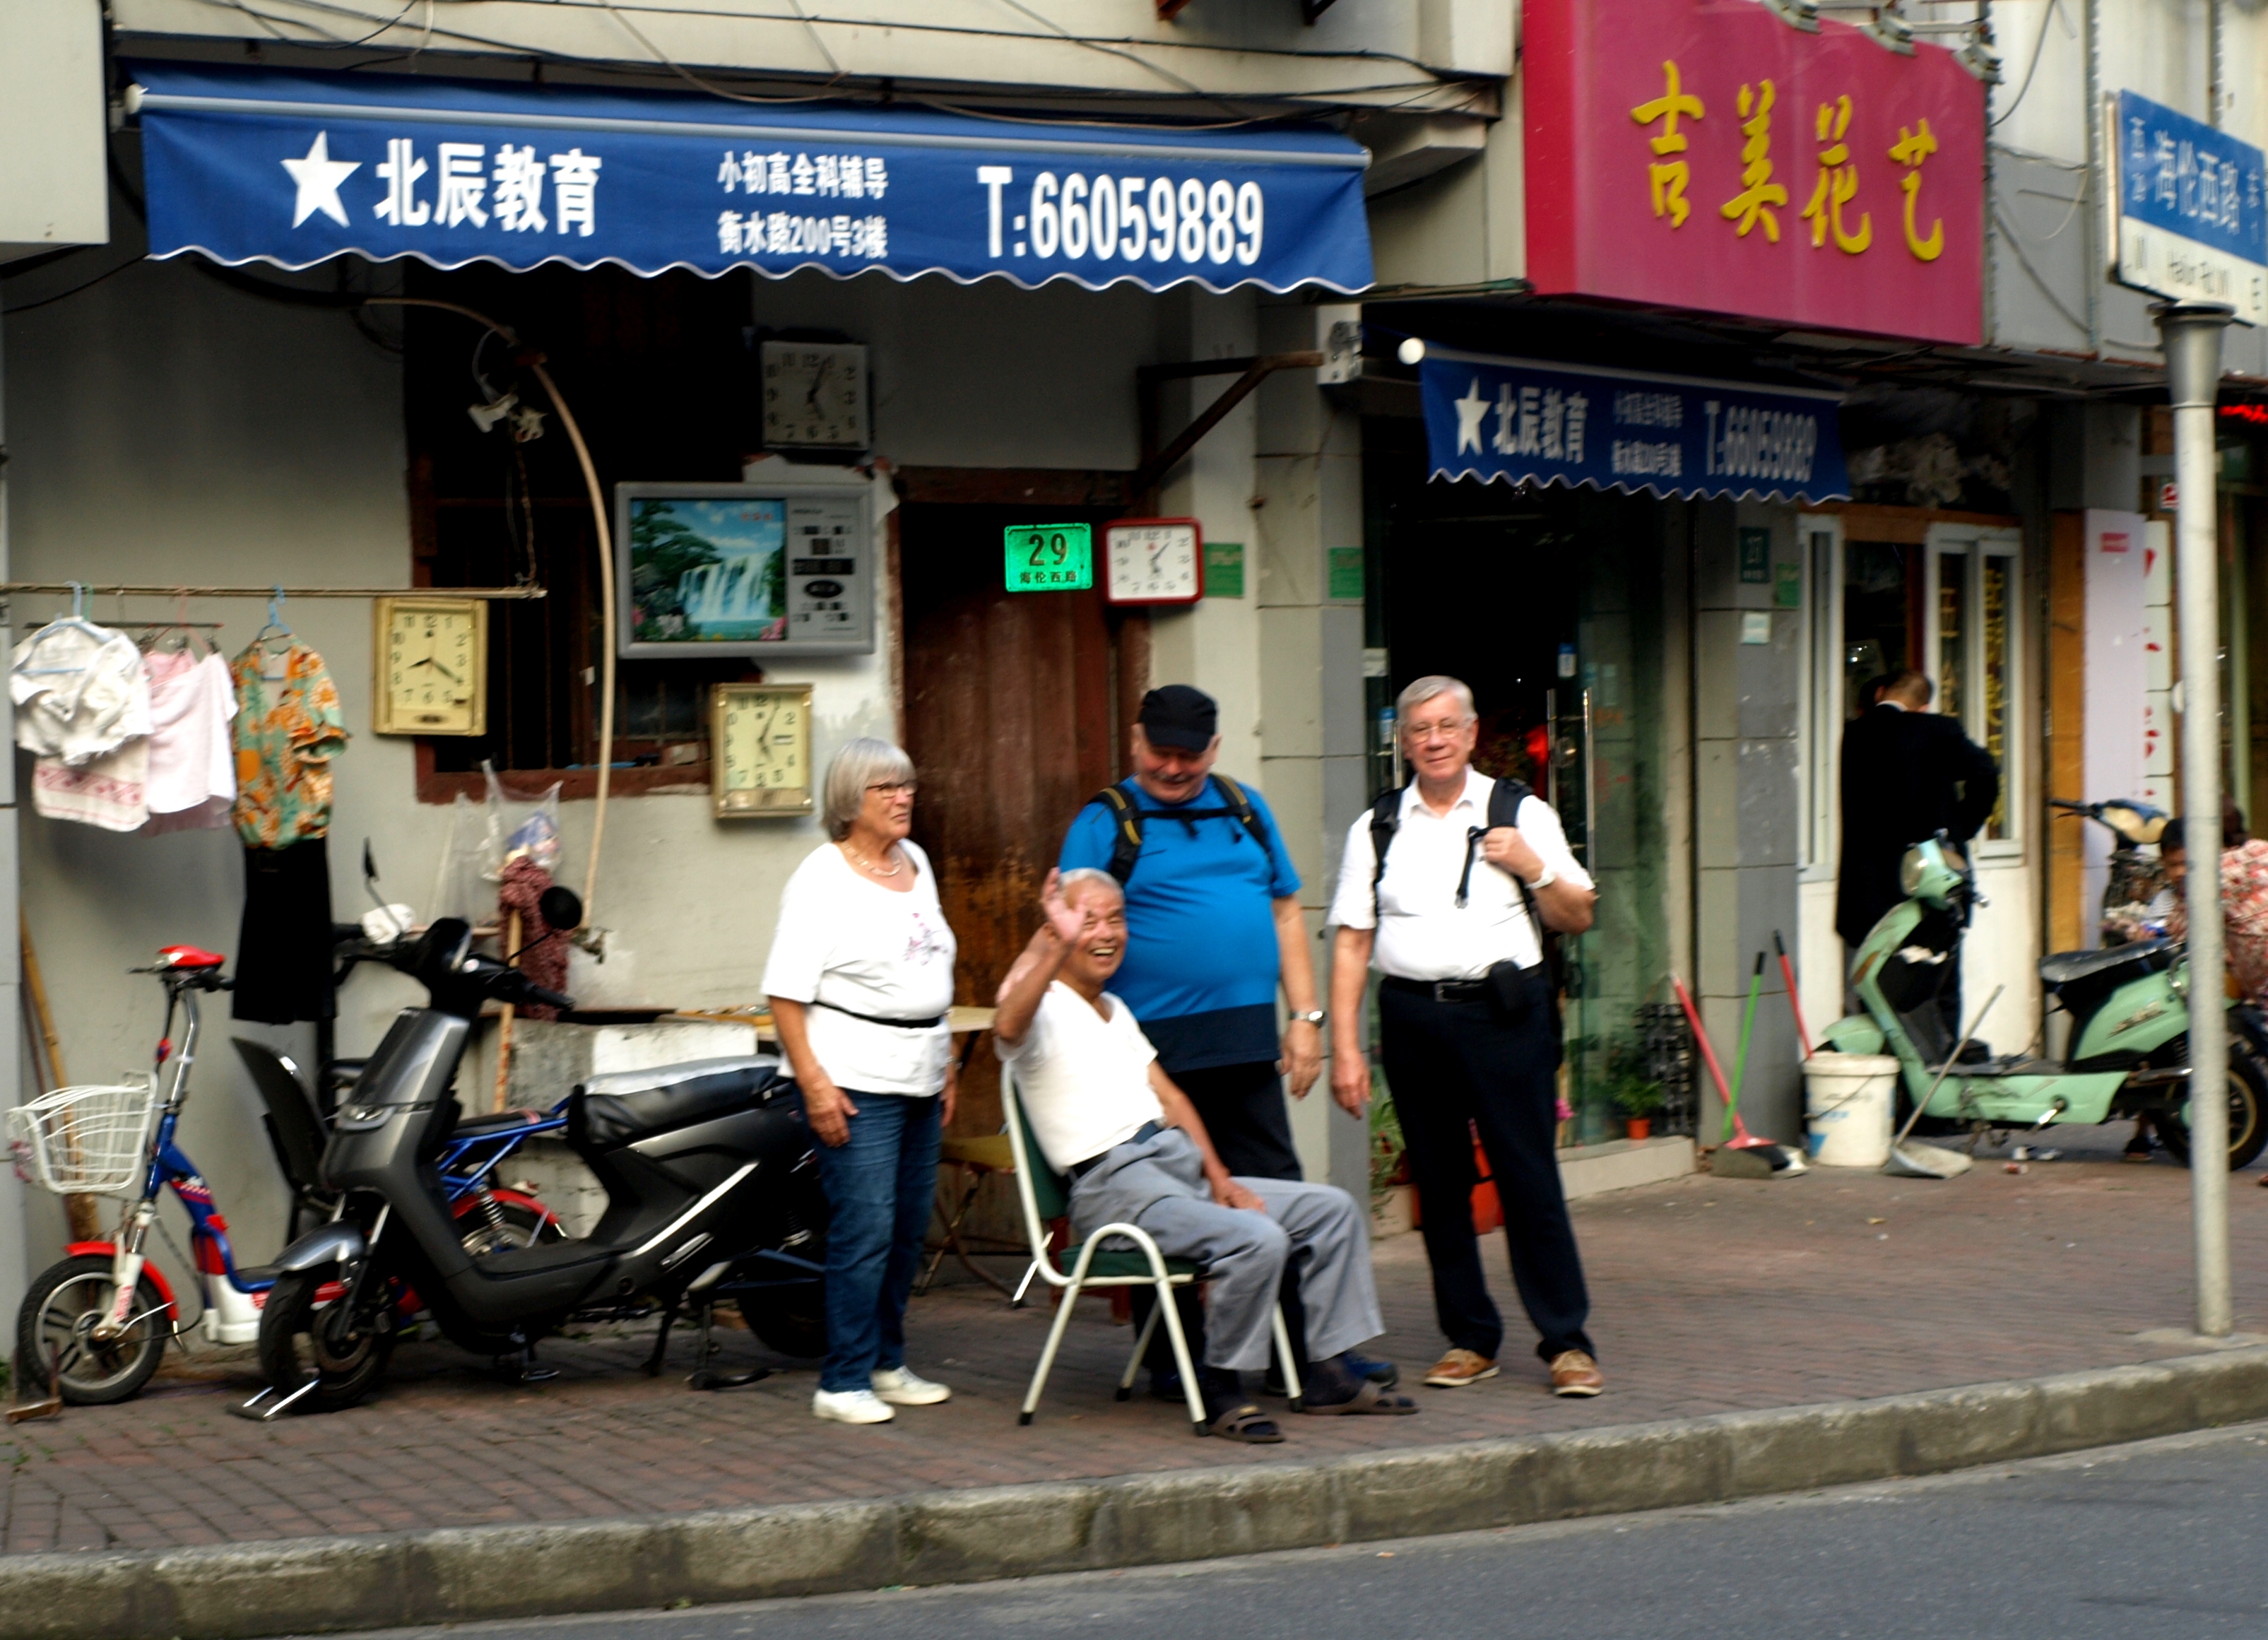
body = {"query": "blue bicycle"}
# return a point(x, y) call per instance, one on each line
point(94, 1326)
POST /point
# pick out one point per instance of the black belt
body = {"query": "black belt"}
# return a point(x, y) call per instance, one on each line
point(1440, 990)
point(875, 1019)
point(1142, 1135)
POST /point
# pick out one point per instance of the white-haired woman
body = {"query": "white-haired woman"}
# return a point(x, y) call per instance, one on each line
point(860, 978)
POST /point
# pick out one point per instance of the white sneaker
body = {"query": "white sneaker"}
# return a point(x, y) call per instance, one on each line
point(850, 1406)
point(903, 1386)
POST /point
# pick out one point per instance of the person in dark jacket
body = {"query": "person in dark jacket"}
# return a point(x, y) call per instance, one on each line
point(1908, 772)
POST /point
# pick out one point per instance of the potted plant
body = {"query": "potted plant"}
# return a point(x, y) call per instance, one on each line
point(1635, 1092)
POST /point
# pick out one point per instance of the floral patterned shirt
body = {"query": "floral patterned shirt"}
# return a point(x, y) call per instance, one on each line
point(2245, 915)
point(286, 734)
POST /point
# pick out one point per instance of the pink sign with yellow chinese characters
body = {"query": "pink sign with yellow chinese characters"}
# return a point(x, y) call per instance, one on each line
point(1704, 154)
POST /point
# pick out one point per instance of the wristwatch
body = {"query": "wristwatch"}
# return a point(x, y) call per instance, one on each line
point(1549, 877)
point(1314, 1016)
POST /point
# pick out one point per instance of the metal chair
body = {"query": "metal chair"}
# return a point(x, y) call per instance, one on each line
point(1044, 1194)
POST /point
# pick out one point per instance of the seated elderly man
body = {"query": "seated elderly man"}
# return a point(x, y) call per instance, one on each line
point(1137, 1152)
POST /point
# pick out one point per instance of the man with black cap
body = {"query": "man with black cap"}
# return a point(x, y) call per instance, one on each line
point(1214, 928)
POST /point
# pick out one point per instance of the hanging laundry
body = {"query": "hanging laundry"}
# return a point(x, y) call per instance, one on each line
point(284, 945)
point(192, 780)
point(111, 791)
point(287, 731)
point(79, 691)
point(544, 960)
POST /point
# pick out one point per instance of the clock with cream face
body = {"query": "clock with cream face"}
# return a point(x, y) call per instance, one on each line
point(433, 666)
point(760, 749)
point(815, 396)
point(1154, 560)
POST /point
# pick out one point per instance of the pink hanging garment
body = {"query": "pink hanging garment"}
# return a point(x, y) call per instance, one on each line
point(192, 761)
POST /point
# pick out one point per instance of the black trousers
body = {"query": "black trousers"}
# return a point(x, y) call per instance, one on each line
point(1454, 1063)
point(1243, 1109)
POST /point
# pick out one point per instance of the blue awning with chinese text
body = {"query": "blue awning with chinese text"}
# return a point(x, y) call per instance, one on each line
point(1515, 419)
point(254, 165)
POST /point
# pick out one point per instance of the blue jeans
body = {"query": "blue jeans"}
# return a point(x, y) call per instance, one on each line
point(880, 1185)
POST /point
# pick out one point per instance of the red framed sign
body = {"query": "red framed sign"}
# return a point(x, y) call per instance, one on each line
point(1154, 560)
point(1706, 155)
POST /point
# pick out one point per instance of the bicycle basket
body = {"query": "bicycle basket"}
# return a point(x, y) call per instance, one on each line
point(88, 1141)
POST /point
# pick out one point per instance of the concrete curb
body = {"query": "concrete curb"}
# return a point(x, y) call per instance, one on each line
point(313, 1585)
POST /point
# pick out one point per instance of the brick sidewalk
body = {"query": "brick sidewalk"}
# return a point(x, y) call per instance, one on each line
point(1708, 1296)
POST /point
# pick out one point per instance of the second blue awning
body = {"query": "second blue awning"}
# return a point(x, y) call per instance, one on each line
point(1518, 419)
point(253, 164)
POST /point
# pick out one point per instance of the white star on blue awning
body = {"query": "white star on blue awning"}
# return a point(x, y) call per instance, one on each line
point(319, 176)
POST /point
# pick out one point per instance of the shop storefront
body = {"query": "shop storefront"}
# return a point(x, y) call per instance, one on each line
point(1697, 509)
point(303, 386)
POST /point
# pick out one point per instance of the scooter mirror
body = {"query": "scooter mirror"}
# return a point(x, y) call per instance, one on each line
point(561, 907)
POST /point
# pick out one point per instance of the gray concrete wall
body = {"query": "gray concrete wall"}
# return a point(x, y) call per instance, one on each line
point(1746, 814)
point(1308, 482)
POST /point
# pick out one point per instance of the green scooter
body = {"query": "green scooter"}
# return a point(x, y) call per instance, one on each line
point(2129, 1008)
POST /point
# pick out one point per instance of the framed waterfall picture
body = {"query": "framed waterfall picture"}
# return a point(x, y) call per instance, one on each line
point(785, 567)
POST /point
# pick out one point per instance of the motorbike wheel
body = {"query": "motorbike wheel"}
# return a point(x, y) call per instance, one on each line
point(300, 1340)
point(2248, 1113)
point(56, 1323)
point(791, 1319)
point(511, 1224)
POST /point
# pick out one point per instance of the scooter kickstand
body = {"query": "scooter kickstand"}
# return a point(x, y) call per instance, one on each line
point(659, 1358)
point(525, 1369)
point(259, 1413)
point(702, 1377)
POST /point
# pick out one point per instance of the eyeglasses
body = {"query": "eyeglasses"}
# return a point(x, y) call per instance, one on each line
point(892, 788)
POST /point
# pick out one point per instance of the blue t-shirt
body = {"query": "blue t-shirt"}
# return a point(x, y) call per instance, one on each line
point(1202, 963)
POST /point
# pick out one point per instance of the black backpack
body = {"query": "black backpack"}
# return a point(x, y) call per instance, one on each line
point(1504, 798)
point(1127, 815)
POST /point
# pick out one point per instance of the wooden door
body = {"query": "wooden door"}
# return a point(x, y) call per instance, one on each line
point(1010, 721)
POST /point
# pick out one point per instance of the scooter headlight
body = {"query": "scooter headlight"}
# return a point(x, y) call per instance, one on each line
point(1909, 870)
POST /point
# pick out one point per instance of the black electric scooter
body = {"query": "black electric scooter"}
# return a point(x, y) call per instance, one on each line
point(711, 1185)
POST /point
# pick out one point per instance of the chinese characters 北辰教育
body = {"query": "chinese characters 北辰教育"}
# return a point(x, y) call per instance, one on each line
point(467, 190)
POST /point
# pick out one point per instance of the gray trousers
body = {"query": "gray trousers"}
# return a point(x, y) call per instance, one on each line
point(1158, 1183)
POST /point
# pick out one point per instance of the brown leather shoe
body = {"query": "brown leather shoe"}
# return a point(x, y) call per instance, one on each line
point(1575, 1374)
point(1459, 1368)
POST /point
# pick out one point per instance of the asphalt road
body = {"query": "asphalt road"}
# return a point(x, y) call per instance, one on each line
point(2168, 1538)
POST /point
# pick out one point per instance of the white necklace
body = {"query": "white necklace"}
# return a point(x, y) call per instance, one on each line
point(869, 865)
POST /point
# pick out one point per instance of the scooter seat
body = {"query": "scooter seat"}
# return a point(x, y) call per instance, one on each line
point(621, 1106)
point(2064, 967)
point(501, 1121)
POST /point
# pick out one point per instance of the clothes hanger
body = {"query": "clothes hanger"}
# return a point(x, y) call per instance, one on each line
point(75, 621)
point(271, 633)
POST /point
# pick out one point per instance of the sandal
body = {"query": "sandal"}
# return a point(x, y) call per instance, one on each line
point(1368, 1399)
point(1246, 1424)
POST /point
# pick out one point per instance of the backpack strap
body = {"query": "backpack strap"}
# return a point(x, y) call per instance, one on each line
point(1126, 831)
point(1385, 816)
point(1240, 804)
point(1504, 798)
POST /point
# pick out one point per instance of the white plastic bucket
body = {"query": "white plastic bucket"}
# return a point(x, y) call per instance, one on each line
point(1848, 1101)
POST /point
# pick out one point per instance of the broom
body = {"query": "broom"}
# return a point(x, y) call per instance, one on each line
point(1744, 1156)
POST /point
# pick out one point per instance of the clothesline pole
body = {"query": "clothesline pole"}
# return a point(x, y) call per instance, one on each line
point(604, 531)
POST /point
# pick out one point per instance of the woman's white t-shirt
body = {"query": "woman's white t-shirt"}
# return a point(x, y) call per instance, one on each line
point(845, 939)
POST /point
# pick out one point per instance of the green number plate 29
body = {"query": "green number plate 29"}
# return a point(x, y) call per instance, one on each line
point(1051, 558)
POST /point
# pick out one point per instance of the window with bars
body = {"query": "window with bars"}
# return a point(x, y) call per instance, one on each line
point(660, 375)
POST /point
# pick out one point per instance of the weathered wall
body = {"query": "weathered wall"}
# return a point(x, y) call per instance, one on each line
point(165, 429)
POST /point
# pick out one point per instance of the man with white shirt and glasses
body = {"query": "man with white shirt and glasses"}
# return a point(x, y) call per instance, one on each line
point(1444, 884)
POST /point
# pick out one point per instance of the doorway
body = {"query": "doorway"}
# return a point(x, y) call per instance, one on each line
point(1010, 719)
